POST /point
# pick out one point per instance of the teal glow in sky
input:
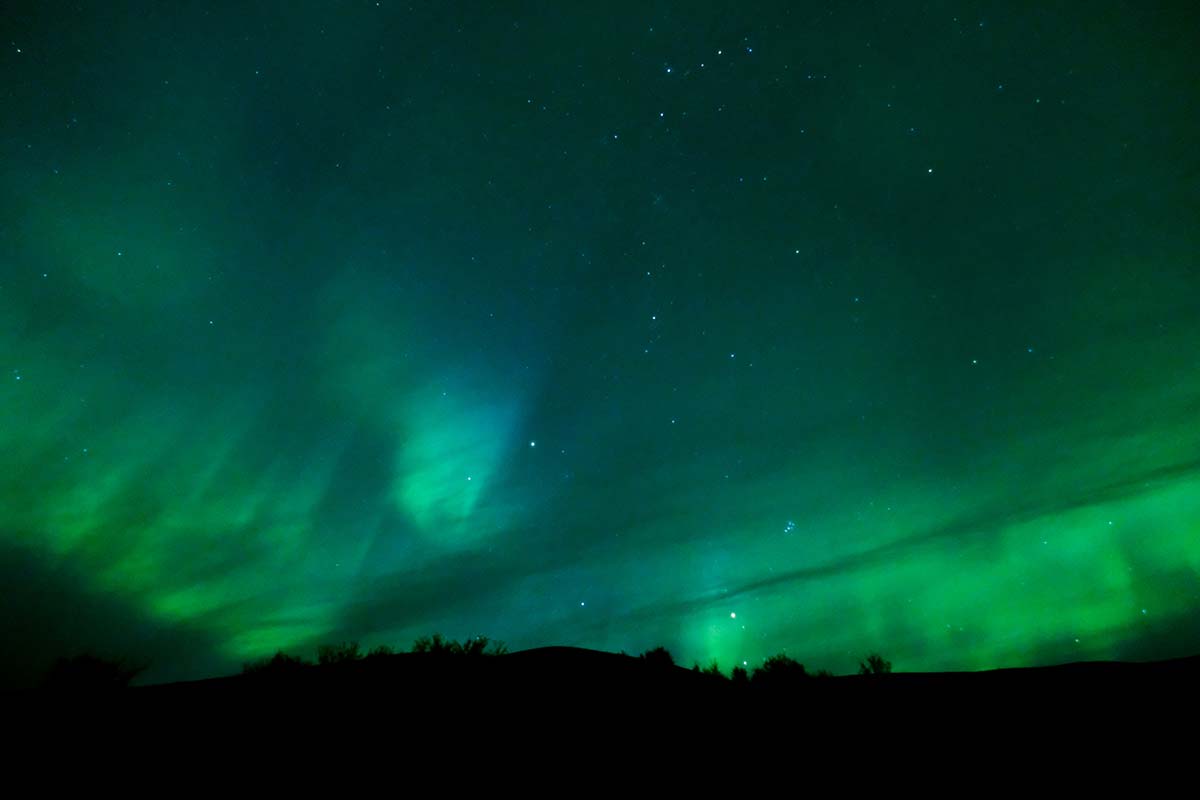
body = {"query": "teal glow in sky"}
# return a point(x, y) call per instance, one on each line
point(822, 328)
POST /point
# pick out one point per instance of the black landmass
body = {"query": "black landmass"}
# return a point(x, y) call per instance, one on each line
point(584, 678)
point(449, 703)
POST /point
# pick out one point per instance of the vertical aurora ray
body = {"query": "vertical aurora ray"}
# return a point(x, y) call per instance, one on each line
point(456, 440)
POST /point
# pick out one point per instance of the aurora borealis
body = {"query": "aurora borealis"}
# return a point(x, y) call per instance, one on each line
point(817, 328)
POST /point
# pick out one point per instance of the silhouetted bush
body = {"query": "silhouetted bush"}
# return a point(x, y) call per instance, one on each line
point(338, 653)
point(659, 657)
point(739, 675)
point(433, 644)
point(382, 651)
point(779, 670)
point(875, 664)
point(823, 673)
point(89, 673)
point(482, 646)
point(280, 664)
point(477, 646)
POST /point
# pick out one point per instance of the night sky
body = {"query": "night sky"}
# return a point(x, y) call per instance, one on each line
point(735, 328)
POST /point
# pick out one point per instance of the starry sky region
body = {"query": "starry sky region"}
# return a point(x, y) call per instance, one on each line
point(820, 328)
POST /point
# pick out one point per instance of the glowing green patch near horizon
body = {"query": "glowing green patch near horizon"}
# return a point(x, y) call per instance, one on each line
point(732, 335)
point(1067, 586)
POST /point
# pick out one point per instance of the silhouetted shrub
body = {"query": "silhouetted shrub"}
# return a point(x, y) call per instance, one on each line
point(659, 657)
point(338, 653)
point(432, 644)
point(477, 646)
point(89, 673)
point(823, 673)
point(779, 670)
point(280, 664)
point(481, 646)
point(875, 664)
point(739, 675)
point(382, 651)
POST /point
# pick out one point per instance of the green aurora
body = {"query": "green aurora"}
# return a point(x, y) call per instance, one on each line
point(822, 328)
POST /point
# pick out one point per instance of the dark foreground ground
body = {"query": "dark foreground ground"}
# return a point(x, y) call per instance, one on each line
point(553, 712)
point(580, 675)
point(575, 680)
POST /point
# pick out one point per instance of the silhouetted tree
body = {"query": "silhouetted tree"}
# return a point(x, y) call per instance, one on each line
point(381, 651)
point(714, 669)
point(823, 673)
point(341, 653)
point(875, 664)
point(659, 657)
point(739, 675)
point(779, 670)
point(89, 673)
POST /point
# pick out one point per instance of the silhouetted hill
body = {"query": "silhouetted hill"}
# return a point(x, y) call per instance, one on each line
point(581, 677)
point(574, 700)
